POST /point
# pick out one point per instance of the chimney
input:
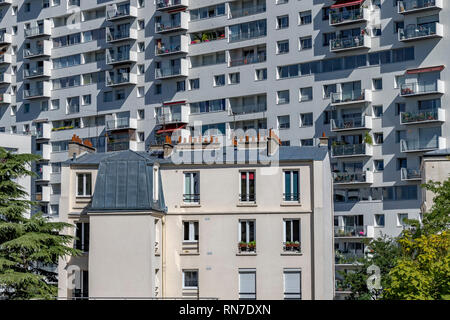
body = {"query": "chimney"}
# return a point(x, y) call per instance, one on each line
point(167, 147)
point(77, 147)
point(273, 143)
point(323, 140)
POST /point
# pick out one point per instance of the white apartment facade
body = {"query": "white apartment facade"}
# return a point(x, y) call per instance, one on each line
point(252, 225)
point(124, 74)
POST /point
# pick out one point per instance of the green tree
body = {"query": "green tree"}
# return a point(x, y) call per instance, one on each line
point(27, 245)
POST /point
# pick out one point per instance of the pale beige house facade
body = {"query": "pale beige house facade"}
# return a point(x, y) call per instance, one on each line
point(256, 224)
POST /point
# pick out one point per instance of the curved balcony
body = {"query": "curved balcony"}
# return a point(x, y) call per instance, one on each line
point(350, 43)
point(424, 116)
point(414, 6)
point(421, 32)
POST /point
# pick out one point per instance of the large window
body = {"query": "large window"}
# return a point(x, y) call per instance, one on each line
point(82, 237)
point(247, 186)
point(84, 184)
point(191, 187)
point(247, 284)
point(190, 231)
point(190, 279)
point(291, 186)
point(292, 235)
point(292, 284)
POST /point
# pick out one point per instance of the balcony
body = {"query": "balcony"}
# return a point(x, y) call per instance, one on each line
point(422, 88)
point(44, 195)
point(172, 71)
point(45, 50)
point(421, 145)
point(163, 5)
point(351, 43)
point(181, 116)
point(239, 61)
point(252, 34)
point(173, 25)
point(119, 11)
point(5, 98)
point(38, 71)
point(43, 91)
point(414, 6)
point(5, 78)
point(349, 16)
point(120, 79)
point(360, 123)
point(353, 231)
point(113, 35)
point(351, 150)
point(424, 116)
point(352, 97)
point(44, 152)
point(121, 124)
point(42, 30)
point(242, 109)
point(115, 57)
point(43, 132)
point(5, 58)
point(5, 38)
point(348, 258)
point(166, 48)
point(207, 36)
point(343, 178)
point(424, 31)
point(410, 174)
point(244, 12)
point(43, 173)
point(5, 2)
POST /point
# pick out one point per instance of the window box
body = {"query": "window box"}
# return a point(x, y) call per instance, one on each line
point(292, 246)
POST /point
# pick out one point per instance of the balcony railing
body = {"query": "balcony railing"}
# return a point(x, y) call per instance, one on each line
point(350, 231)
point(422, 116)
point(191, 198)
point(168, 27)
point(117, 35)
point(37, 31)
point(248, 60)
point(247, 109)
point(5, 37)
point(249, 247)
point(167, 49)
point(237, 13)
point(348, 43)
point(119, 123)
point(406, 6)
point(119, 78)
point(35, 72)
point(291, 197)
point(5, 98)
point(348, 257)
point(167, 72)
point(348, 123)
point(349, 97)
point(248, 35)
point(422, 87)
point(247, 197)
point(169, 4)
point(411, 174)
point(35, 92)
point(351, 177)
point(418, 144)
point(420, 31)
point(120, 57)
point(349, 150)
point(292, 246)
point(346, 16)
point(120, 11)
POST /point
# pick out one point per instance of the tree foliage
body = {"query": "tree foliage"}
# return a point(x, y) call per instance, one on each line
point(28, 246)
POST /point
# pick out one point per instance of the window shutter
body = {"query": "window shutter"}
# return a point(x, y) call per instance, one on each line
point(247, 284)
point(292, 284)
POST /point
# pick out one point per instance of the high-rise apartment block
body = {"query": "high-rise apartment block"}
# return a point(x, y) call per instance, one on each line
point(369, 74)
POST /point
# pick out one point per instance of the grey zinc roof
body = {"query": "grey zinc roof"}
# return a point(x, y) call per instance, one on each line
point(125, 183)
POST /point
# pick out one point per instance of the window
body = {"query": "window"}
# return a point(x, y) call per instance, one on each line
point(140, 92)
point(84, 184)
point(107, 96)
point(282, 46)
point(378, 137)
point(55, 104)
point(190, 279)
point(400, 135)
point(401, 219)
point(328, 89)
point(402, 163)
point(305, 43)
point(141, 69)
point(26, 108)
point(141, 114)
point(377, 84)
point(191, 187)
point(247, 186)
point(285, 143)
point(292, 284)
point(283, 22)
point(190, 231)
point(219, 80)
point(379, 220)
point(378, 111)
point(261, 74)
point(379, 165)
point(291, 186)
point(283, 97)
point(325, 13)
point(399, 108)
point(306, 94)
point(247, 284)
point(292, 235)
point(234, 78)
point(181, 86)
point(247, 237)
point(306, 120)
point(305, 17)
point(327, 37)
point(283, 122)
point(82, 237)
point(194, 84)
point(158, 88)
point(398, 25)
point(86, 99)
point(141, 47)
